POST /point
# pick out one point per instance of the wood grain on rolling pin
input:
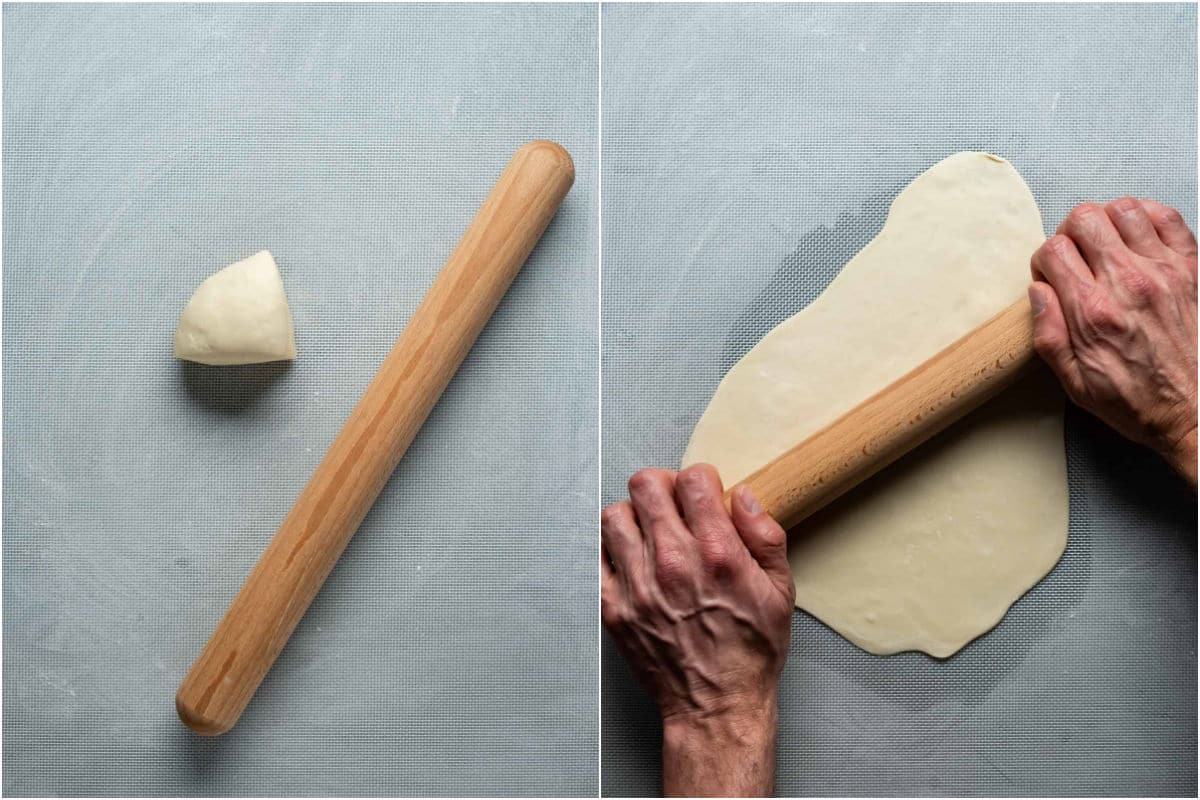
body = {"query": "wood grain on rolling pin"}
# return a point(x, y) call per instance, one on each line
point(897, 419)
point(366, 450)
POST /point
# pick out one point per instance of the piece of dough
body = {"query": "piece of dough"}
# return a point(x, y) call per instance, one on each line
point(239, 315)
point(931, 552)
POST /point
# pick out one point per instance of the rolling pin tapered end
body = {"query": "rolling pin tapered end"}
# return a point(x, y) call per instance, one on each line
point(553, 152)
point(199, 723)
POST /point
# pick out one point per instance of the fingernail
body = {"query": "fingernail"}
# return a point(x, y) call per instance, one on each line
point(749, 504)
point(1036, 300)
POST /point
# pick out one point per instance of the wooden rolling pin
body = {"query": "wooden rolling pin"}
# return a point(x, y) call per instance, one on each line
point(374, 437)
point(896, 420)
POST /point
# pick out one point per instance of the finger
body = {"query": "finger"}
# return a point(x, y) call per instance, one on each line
point(1058, 263)
point(1094, 234)
point(666, 543)
point(1052, 337)
point(698, 489)
point(652, 492)
point(1134, 226)
point(699, 492)
point(1171, 227)
point(763, 537)
point(611, 599)
point(620, 537)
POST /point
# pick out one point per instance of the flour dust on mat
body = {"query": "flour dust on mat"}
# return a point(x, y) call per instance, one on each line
point(932, 551)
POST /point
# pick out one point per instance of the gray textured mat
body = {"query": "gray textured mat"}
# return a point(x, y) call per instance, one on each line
point(748, 153)
point(453, 650)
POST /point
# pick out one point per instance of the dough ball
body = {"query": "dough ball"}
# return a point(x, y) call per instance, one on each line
point(239, 315)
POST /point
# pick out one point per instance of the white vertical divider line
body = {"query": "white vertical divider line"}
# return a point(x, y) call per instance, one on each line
point(599, 384)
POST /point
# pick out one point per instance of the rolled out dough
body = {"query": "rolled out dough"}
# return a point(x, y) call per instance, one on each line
point(933, 551)
point(239, 315)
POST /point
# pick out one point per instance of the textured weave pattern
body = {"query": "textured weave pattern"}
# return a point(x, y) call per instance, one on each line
point(748, 153)
point(453, 649)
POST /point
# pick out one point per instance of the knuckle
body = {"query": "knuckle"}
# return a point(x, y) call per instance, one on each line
point(1076, 389)
point(1049, 254)
point(644, 481)
point(641, 600)
point(670, 567)
point(1091, 228)
point(1137, 284)
point(696, 478)
point(610, 613)
point(639, 481)
point(1055, 260)
point(1084, 212)
point(1125, 205)
point(1045, 342)
point(1169, 216)
point(1089, 222)
point(1099, 313)
point(772, 535)
point(617, 519)
point(692, 476)
point(717, 555)
point(699, 497)
point(1058, 247)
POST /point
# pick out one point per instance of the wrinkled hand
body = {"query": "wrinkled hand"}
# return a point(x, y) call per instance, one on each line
point(699, 602)
point(1114, 296)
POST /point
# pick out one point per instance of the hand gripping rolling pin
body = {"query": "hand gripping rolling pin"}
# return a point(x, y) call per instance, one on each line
point(366, 450)
point(897, 419)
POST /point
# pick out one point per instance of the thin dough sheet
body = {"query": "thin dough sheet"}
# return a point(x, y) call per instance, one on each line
point(932, 552)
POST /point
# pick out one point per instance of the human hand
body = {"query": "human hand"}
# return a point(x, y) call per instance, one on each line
point(1114, 298)
point(699, 602)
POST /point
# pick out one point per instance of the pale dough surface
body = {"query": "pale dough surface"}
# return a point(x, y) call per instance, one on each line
point(933, 551)
point(239, 315)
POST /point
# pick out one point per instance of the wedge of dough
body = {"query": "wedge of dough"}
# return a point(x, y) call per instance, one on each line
point(239, 315)
point(933, 551)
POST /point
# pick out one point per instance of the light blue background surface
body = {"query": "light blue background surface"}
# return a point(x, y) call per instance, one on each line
point(453, 649)
point(749, 152)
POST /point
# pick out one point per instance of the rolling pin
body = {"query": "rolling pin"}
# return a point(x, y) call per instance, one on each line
point(374, 437)
point(897, 419)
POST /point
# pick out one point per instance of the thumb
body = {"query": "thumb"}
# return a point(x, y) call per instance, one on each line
point(763, 537)
point(1051, 337)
